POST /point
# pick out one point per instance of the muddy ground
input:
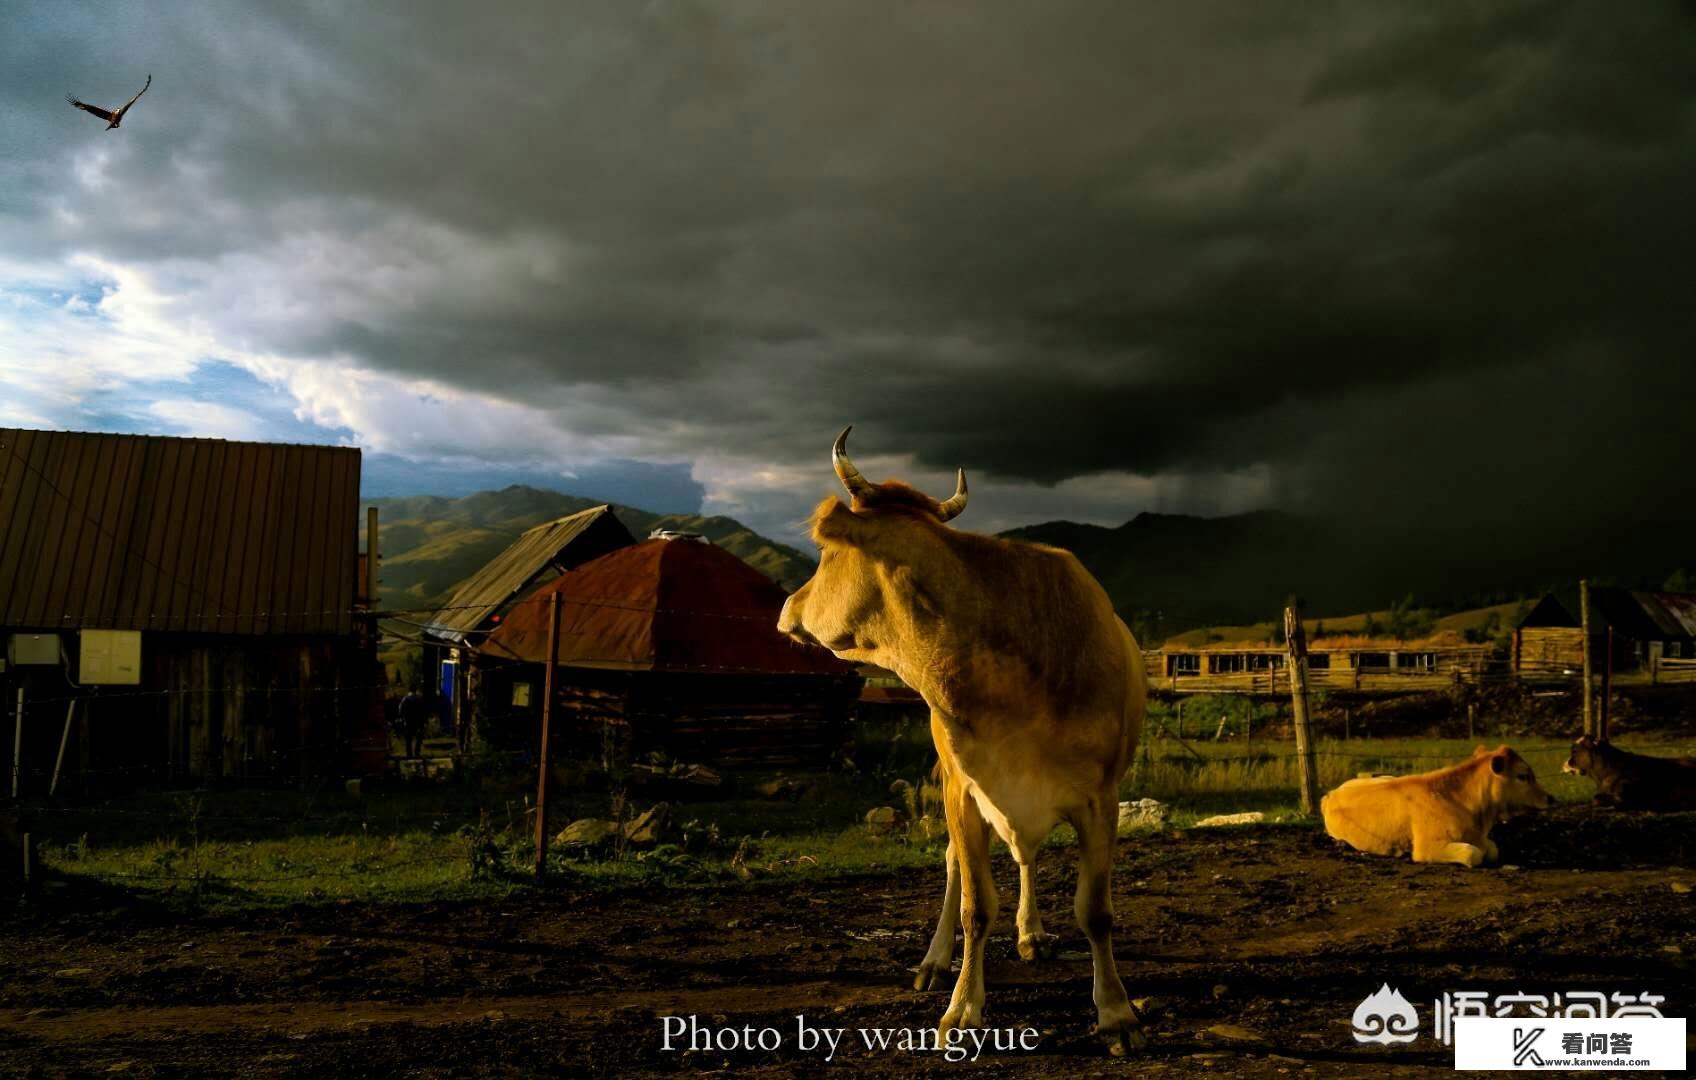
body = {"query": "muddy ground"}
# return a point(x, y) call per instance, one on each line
point(1267, 936)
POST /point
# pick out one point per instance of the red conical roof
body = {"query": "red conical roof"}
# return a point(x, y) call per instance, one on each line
point(678, 605)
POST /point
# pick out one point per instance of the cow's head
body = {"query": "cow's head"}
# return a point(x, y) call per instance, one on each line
point(1513, 785)
point(884, 567)
point(1585, 756)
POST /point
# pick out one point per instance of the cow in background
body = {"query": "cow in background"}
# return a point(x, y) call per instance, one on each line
point(1441, 816)
point(1036, 691)
point(1633, 781)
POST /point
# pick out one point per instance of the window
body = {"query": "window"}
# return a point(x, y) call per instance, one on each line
point(1372, 660)
point(1675, 649)
point(1318, 660)
point(1225, 663)
point(1417, 661)
point(1185, 664)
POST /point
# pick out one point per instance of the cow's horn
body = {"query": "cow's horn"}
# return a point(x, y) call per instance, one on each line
point(956, 502)
point(856, 484)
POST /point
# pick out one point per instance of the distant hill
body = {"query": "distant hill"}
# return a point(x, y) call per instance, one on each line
point(1171, 573)
point(1489, 623)
point(430, 543)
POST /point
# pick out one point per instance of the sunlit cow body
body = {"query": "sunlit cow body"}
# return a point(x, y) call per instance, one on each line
point(1036, 691)
point(1440, 816)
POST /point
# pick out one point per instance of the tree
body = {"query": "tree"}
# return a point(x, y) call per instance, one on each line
point(1407, 620)
point(1681, 580)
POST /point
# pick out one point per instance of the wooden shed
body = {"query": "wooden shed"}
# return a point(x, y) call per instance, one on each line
point(539, 555)
point(1334, 663)
point(195, 599)
point(668, 645)
point(1644, 627)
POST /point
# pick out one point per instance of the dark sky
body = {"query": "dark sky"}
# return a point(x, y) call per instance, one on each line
point(1416, 265)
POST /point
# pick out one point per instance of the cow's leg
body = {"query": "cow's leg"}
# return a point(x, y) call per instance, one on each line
point(968, 835)
point(940, 956)
point(1436, 849)
point(1093, 906)
point(1033, 942)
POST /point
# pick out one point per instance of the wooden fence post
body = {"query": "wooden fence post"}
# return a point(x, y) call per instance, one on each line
point(547, 717)
point(1296, 642)
point(64, 740)
point(1584, 631)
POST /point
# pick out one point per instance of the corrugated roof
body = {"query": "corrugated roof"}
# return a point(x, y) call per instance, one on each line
point(1674, 613)
point(1642, 616)
point(563, 543)
point(148, 532)
point(663, 605)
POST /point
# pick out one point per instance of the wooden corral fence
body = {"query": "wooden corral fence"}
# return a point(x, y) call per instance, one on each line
point(1674, 671)
point(1366, 669)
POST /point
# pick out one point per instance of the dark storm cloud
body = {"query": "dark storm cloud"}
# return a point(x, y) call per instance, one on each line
point(1348, 243)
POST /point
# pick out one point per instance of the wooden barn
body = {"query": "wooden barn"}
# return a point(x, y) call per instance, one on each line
point(477, 606)
point(1645, 628)
point(183, 608)
point(668, 645)
point(1334, 663)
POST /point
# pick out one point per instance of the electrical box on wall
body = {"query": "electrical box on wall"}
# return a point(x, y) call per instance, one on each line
point(24, 649)
point(521, 694)
point(110, 657)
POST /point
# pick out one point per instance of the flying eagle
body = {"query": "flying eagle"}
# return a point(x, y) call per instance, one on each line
point(113, 119)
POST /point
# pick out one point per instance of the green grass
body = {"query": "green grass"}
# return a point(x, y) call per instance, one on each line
point(442, 841)
point(1200, 775)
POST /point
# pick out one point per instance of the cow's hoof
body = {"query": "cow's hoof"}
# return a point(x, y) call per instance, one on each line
point(1122, 1029)
point(1038, 946)
point(962, 1014)
point(932, 976)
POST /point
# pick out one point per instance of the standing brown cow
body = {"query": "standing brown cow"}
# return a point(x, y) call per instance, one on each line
point(1036, 691)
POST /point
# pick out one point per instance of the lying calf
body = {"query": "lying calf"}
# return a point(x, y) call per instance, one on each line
point(1634, 781)
point(1441, 816)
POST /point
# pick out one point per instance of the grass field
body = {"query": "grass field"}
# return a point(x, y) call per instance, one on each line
point(411, 842)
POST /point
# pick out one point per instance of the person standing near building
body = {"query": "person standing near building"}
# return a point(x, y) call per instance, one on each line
point(414, 711)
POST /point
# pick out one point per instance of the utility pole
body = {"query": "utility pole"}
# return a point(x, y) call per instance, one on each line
point(1607, 689)
point(547, 717)
point(1584, 631)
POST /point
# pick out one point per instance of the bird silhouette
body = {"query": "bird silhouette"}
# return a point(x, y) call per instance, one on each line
point(113, 119)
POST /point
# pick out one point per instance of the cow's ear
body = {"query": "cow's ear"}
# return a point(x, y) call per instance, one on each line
point(1499, 763)
point(833, 520)
point(1480, 749)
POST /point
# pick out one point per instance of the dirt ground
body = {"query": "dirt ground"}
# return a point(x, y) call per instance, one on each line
point(1256, 944)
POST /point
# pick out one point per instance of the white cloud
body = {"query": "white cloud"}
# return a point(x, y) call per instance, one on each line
point(208, 419)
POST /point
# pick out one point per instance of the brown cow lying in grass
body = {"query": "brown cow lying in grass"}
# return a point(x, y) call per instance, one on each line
point(1634, 781)
point(1441, 816)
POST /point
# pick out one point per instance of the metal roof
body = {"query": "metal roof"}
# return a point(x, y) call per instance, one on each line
point(663, 605)
point(153, 533)
point(562, 543)
point(1643, 616)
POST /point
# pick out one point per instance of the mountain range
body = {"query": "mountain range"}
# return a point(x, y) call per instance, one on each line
point(1166, 573)
point(431, 543)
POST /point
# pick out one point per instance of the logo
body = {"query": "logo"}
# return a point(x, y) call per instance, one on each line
point(1385, 1017)
point(1523, 1050)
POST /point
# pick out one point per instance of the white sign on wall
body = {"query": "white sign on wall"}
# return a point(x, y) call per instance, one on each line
point(110, 657)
